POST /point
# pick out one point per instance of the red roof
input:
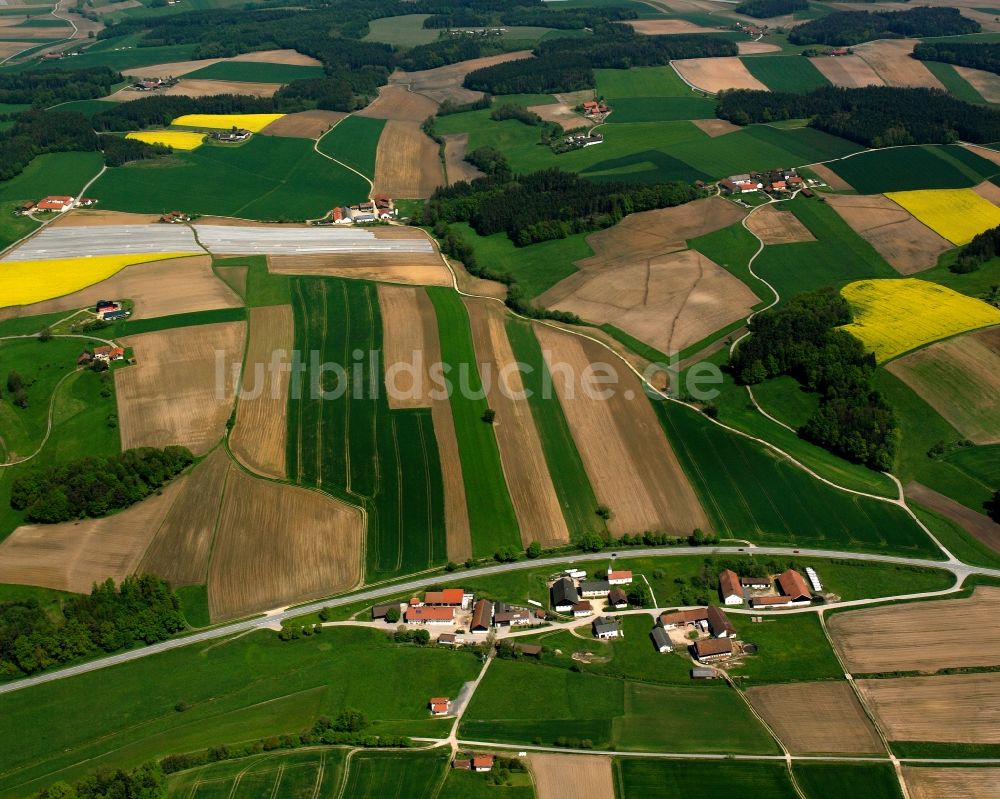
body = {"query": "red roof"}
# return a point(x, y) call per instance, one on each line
point(794, 584)
point(684, 616)
point(426, 613)
point(622, 575)
point(763, 601)
point(439, 705)
point(729, 583)
point(54, 203)
point(482, 761)
point(449, 596)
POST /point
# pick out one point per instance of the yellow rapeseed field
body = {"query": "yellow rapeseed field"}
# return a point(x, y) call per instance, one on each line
point(25, 282)
point(251, 122)
point(178, 139)
point(895, 316)
point(954, 214)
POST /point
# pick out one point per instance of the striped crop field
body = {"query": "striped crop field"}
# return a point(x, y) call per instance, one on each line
point(955, 214)
point(252, 122)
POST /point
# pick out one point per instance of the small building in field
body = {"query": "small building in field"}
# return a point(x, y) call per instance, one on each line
point(463, 764)
point(755, 583)
point(529, 650)
point(482, 763)
point(108, 354)
point(439, 705)
point(55, 203)
point(617, 598)
point(594, 589)
point(607, 628)
point(379, 611)
point(231, 136)
point(482, 617)
point(426, 614)
point(582, 609)
point(793, 585)
point(719, 624)
point(730, 590)
point(710, 649)
point(619, 578)
point(448, 639)
point(563, 595)
point(701, 673)
point(661, 641)
point(84, 358)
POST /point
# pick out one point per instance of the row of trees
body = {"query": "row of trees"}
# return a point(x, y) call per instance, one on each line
point(143, 782)
point(142, 610)
point(45, 87)
point(844, 28)
point(977, 55)
point(802, 339)
point(764, 9)
point(983, 247)
point(876, 116)
point(95, 486)
point(532, 14)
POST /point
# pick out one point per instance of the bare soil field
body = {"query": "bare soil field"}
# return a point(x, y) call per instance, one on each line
point(536, 503)
point(960, 379)
point(182, 546)
point(819, 717)
point(773, 226)
point(715, 127)
point(414, 269)
point(471, 284)
point(978, 525)
point(170, 396)
point(891, 59)
point(955, 708)
point(445, 83)
point(82, 217)
point(455, 145)
point(409, 326)
point(407, 163)
point(849, 71)
point(984, 152)
point(72, 556)
point(562, 114)
point(160, 288)
point(754, 48)
point(986, 83)
point(572, 776)
point(955, 783)
point(988, 191)
point(258, 437)
point(267, 532)
point(189, 87)
point(906, 243)
point(292, 57)
point(631, 466)
point(171, 68)
point(395, 102)
point(831, 178)
point(717, 74)
point(663, 27)
point(304, 124)
point(921, 636)
point(235, 277)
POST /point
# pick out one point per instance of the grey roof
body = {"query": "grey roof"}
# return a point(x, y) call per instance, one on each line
point(702, 673)
point(594, 585)
point(660, 638)
point(603, 625)
point(564, 592)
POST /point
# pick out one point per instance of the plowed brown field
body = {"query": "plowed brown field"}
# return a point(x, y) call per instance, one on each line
point(258, 438)
point(304, 124)
point(953, 783)
point(631, 466)
point(455, 145)
point(774, 226)
point(572, 776)
point(395, 102)
point(407, 164)
point(663, 27)
point(536, 503)
point(891, 59)
point(849, 71)
point(831, 178)
point(170, 396)
point(717, 74)
point(445, 83)
point(921, 636)
point(415, 269)
point(986, 83)
point(819, 717)
point(715, 127)
point(278, 544)
point(978, 525)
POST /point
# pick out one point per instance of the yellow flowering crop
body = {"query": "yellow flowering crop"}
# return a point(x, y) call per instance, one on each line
point(251, 122)
point(954, 214)
point(25, 282)
point(895, 316)
point(178, 139)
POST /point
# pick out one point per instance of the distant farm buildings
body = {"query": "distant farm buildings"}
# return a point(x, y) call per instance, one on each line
point(231, 136)
point(56, 203)
point(379, 209)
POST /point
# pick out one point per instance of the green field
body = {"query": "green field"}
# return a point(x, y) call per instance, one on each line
point(376, 775)
point(750, 492)
point(956, 539)
point(661, 109)
point(908, 168)
point(406, 30)
point(956, 85)
point(54, 173)
point(608, 711)
point(290, 775)
point(462, 784)
point(491, 512)
point(262, 286)
point(123, 59)
point(268, 178)
point(785, 73)
point(238, 690)
point(836, 780)
point(617, 84)
point(353, 141)
point(13, 227)
point(576, 496)
point(732, 248)
point(86, 107)
point(666, 779)
point(255, 72)
point(350, 444)
point(791, 648)
point(784, 398)
point(981, 463)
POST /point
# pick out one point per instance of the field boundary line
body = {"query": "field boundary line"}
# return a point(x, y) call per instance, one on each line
point(43, 45)
point(371, 184)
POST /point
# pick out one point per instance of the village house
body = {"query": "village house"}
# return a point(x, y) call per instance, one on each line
point(793, 585)
point(605, 628)
point(482, 617)
point(741, 184)
point(661, 641)
point(174, 217)
point(508, 616)
point(594, 589)
point(619, 578)
point(108, 354)
point(449, 597)
point(710, 649)
point(379, 611)
point(718, 623)
point(578, 140)
point(447, 639)
point(86, 202)
point(582, 609)
point(482, 763)
point(231, 136)
point(563, 595)
point(55, 203)
point(529, 650)
point(771, 602)
point(701, 673)
point(697, 618)
point(617, 598)
point(427, 614)
point(439, 705)
point(730, 590)
point(755, 583)
point(593, 107)
point(384, 206)
point(26, 208)
point(463, 764)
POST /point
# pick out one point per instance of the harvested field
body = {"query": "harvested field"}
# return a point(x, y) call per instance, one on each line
point(955, 783)
point(986, 83)
point(458, 168)
point(906, 243)
point(189, 87)
point(631, 466)
point(831, 178)
point(170, 69)
point(715, 127)
point(289, 57)
point(819, 717)
point(978, 525)
point(755, 48)
point(304, 124)
point(571, 776)
point(258, 437)
point(988, 191)
point(266, 532)
point(170, 396)
point(532, 491)
point(395, 102)
point(477, 285)
point(160, 288)
point(414, 269)
point(849, 71)
point(773, 226)
point(891, 60)
point(921, 636)
point(664, 27)
point(407, 164)
point(960, 379)
point(445, 83)
point(562, 114)
point(182, 546)
point(409, 327)
point(235, 277)
point(953, 708)
point(717, 74)
point(72, 556)
point(81, 217)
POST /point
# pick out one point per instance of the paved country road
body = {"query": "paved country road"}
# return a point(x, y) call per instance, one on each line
point(956, 567)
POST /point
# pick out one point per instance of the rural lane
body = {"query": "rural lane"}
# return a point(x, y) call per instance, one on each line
point(959, 569)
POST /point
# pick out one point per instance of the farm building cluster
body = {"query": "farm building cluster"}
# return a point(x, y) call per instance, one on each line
point(776, 182)
point(473, 762)
point(56, 203)
point(786, 590)
point(570, 592)
point(576, 141)
point(111, 310)
point(378, 209)
point(153, 84)
point(231, 136)
point(459, 610)
point(104, 354)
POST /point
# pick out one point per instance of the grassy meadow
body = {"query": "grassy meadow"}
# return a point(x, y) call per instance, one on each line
point(354, 141)
point(372, 775)
point(52, 173)
point(782, 73)
point(255, 72)
point(790, 648)
point(295, 775)
point(911, 168)
point(834, 780)
point(665, 779)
